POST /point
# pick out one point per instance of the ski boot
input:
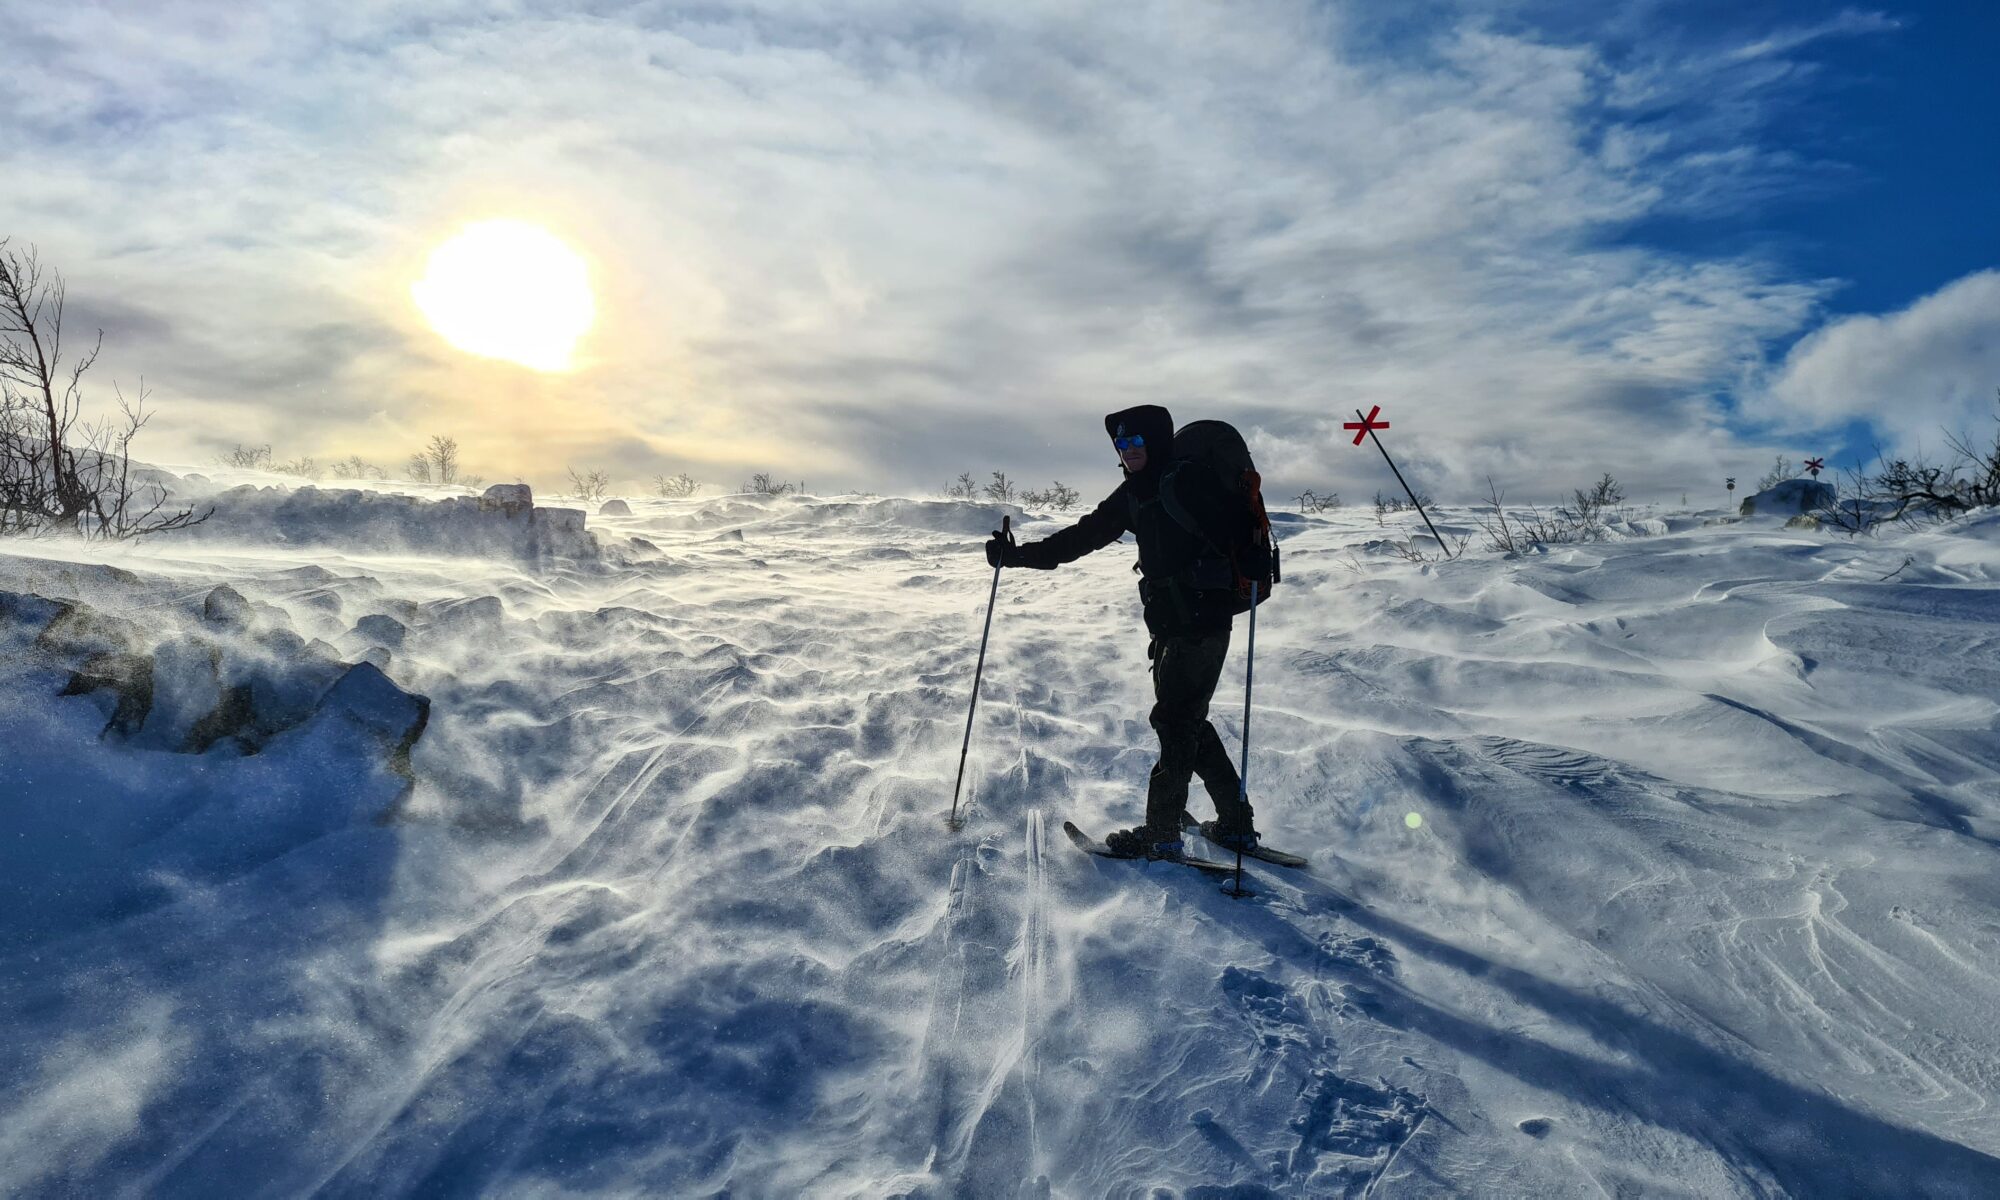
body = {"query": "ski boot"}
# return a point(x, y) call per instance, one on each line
point(1230, 837)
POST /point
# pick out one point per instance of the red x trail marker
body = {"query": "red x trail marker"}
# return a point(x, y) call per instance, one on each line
point(1815, 465)
point(1365, 425)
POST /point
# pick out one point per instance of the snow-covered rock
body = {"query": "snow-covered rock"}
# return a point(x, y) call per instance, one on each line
point(614, 508)
point(1788, 498)
point(503, 523)
point(514, 499)
point(181, 686)
point(381, 629)
point(226, 606)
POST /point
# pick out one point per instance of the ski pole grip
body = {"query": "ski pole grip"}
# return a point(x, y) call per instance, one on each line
point(1007, 527)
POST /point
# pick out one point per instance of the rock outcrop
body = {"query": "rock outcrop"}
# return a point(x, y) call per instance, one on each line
point(1788, 498)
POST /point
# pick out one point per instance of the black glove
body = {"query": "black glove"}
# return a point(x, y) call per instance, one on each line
point(1002, 552)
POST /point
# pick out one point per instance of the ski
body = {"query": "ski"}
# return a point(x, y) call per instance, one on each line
point(1277, 858)
point(1090, 845)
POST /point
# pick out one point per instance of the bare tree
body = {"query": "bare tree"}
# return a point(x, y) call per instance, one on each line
point(240, 455)
point(53, 476)
point(418, 468)
point(961, 488)
point(1000, 489)
point(443, 455)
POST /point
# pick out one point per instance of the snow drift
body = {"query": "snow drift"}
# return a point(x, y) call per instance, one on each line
point(1699, 900)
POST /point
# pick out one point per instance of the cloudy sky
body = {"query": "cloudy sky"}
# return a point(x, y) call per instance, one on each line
point(875, 244)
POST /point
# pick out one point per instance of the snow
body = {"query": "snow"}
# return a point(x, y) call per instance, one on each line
point(626, 873)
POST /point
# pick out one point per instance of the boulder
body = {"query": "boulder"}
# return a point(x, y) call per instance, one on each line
point(187, 687)
point(1788, 498)
point(381, 630)
point(510, 498)
point(390, 717)
point(614, 508)
point(226, 606)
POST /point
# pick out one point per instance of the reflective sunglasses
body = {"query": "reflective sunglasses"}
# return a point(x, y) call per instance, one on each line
point(1135, 442)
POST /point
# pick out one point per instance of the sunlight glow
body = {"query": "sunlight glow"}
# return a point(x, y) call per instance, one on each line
point(510, 290)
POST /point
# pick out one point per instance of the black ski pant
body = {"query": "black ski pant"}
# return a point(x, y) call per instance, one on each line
point(1185, 670)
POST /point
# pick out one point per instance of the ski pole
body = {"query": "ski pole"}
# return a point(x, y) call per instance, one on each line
point(1243, 776)
point(1006, 531)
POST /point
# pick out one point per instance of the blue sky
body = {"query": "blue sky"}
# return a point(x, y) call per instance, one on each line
point(876, 244)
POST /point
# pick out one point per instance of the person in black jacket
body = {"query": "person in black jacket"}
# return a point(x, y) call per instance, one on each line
point(1188, 614)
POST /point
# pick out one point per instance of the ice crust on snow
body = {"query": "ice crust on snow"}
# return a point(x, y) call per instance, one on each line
point(655, 895)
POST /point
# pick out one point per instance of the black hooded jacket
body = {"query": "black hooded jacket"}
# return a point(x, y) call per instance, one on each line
point(1174, 603)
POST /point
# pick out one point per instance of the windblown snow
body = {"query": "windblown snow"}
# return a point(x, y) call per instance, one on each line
point(361, 845)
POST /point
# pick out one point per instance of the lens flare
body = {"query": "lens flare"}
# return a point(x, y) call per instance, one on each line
point(508, 290)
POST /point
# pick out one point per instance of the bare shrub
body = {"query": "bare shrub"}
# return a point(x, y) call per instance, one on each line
point(1057, 497)
point(961, 488)
point(1409, 551)
point(240, 455)
point(1389, 504)
point(1585, 515)
point(418, 468)
point(1580, 521)
point(676, 487)
point(1904, 490)
point(302, 466)
point(589, 486)
point(1318, 502)
point(54, 476)
point(1000, 489)
point(352, 467)
point(763, 484)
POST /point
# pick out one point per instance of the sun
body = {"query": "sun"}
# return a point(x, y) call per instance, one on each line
point(510, 290)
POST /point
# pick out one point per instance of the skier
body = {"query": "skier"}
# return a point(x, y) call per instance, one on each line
point(1189, 620)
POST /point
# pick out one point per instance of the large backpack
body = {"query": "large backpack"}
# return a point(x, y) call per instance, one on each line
point(1245, 561)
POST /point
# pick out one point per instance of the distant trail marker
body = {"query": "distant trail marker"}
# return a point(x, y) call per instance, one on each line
point(1365, 428)
point(1814, 466)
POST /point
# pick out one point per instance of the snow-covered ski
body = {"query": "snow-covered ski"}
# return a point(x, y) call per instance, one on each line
point(1090, 845)
point(1277, 858)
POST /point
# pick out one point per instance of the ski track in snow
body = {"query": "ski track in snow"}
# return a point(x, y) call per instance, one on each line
point(1703, 902)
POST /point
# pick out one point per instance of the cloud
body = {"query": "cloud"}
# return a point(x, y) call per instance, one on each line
point(1934, 364)
point(814, 230)
point(1847, 22)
